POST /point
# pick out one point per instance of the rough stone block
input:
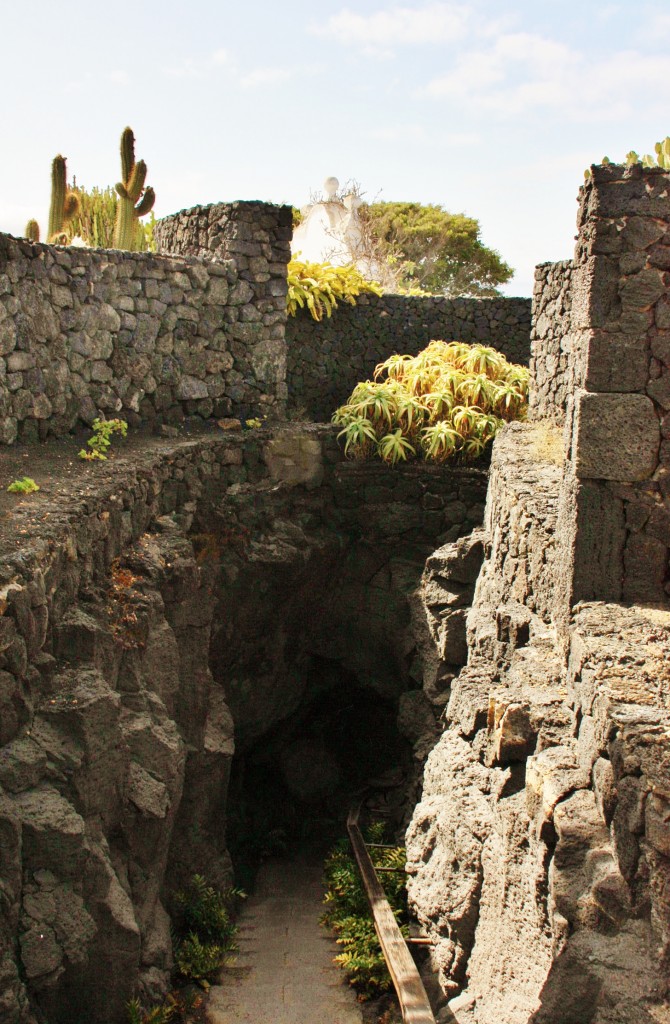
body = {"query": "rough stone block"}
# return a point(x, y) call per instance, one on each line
point(294, 458)
point(616, 437)
point(616, 362)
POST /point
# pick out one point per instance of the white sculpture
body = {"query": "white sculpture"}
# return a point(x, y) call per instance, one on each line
point(330, 230)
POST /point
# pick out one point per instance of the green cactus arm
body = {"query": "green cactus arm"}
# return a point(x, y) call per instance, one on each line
point(121, 189)
point(127, 153)
point(135, 183)
point(146, 203)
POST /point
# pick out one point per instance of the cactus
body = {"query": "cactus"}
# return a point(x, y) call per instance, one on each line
point(134, 199)
point(32, 232)
point(663, 153)
point(661, 159)
point(64, 204)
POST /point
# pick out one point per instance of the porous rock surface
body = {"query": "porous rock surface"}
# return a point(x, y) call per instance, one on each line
point(538, 853)
point(155, 610)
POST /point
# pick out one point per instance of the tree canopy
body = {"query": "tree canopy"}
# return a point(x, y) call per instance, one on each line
point(428, 248)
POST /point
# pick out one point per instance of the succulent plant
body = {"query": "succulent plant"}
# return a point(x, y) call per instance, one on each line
point(32, 231)
point(134, 199)
point(64, 203)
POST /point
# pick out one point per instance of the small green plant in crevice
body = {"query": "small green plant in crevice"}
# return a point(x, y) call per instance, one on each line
point(206, 911)
point(348, 912)
point(206, 930)
point(24, 485)
point(138, 1014)
point(204, 942)
point(103, 431)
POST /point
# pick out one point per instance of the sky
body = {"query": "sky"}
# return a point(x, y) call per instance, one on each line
point(488, 109)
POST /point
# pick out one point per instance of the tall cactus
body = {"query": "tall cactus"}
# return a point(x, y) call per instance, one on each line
point(32, 232)
point(134, 199)
point(64, 204)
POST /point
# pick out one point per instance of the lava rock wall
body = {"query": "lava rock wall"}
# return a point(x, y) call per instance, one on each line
point(538, 852)
point(327, 359)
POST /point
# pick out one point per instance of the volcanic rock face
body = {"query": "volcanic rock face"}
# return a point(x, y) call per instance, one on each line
point(538, 853)
point(184, 600)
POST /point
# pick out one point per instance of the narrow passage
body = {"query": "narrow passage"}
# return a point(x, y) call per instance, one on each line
point(284, 972)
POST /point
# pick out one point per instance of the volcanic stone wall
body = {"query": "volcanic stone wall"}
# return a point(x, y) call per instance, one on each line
point(147, 337)
point(616, 495)
point(327, 359)
point(551, 341)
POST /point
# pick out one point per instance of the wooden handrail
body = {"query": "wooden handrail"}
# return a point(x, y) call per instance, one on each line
point(406, 979)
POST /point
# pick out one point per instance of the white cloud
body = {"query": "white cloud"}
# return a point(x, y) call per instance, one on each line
point(655, 28)
point(398, 133)
point(191, 67)
point(421, 134)
point(379, 32)
point(524, 72)
point(265, 76)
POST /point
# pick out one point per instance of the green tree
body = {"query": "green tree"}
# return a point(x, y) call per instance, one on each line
point(426, 247)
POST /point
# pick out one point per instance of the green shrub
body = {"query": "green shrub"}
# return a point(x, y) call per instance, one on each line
point(203, 943)
point(448, 401)
point(138, 1014)
point(348, 912)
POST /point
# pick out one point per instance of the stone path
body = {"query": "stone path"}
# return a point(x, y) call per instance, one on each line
point(284, 972)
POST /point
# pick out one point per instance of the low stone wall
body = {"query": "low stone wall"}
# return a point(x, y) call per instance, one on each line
point(147, 337)
point(551, 341)
point(327, 359)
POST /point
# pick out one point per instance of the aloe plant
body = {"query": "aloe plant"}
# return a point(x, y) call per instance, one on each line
point(134, 199)
point(318, 287)
point(451, 399)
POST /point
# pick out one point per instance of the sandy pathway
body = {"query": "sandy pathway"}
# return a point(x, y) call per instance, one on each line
point(284, 972)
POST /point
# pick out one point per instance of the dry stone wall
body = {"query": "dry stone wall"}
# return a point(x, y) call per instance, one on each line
point(148, 337)
point(200, 329)
point(327, 359)
point(551, 341)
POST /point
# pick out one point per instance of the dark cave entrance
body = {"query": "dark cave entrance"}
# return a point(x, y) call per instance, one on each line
point(290, 789)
